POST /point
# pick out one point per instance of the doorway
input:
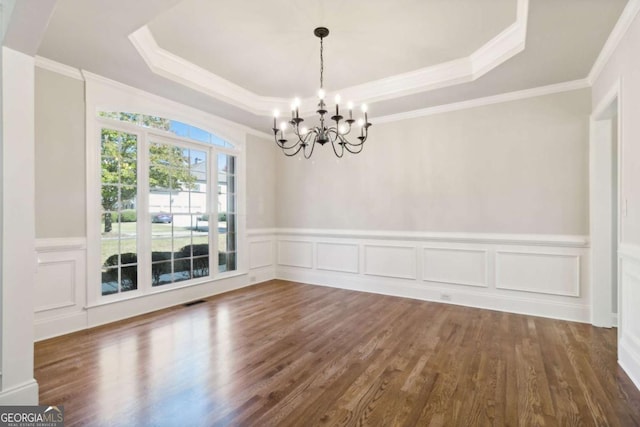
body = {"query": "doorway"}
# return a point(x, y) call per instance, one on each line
point(606, 209)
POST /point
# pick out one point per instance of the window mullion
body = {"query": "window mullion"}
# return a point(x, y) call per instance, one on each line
point(144, 221)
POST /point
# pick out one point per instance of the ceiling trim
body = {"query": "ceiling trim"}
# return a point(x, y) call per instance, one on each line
point(222, 127)
point(619, 31)
point(57, 67)
point(489, 100)
point(496, 51)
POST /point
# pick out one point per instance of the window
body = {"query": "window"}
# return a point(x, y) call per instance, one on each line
point(161, 212)
point(118, 159)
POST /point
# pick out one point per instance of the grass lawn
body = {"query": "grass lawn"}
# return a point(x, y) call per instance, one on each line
point(161, 239)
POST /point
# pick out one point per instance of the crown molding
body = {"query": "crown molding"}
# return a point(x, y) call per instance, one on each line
point(205, 117)
point(622, 26)
point(57, 67)
point(489, 100)
point(496, 51)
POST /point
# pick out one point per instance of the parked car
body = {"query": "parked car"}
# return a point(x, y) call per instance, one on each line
point(162, 218)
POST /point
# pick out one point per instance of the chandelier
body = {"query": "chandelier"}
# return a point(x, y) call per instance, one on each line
point(334, 131)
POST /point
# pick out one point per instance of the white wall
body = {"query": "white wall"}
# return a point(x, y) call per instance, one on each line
point(624, 67)
point(18, 229)
point(515, 167)
point(261, 182)
point(60, 156)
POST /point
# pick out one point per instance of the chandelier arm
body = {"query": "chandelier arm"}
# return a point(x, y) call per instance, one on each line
point(361, 147)
point(286, 153)
point(333, 145)
point(312, 145)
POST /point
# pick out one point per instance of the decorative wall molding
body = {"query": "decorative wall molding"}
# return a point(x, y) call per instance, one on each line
point(295, 253)
point(496, 51)
point(337, 256)
point(629, 251)
point(574, 241)
point(489, 100)
point(629, 318)
point(390, 260)
point(57, 67)
point(615, 37)
point(539, 272)
point(61, 243)
point(442, 265)
point(467, 271)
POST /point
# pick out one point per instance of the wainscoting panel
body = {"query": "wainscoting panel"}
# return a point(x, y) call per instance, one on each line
point(60, 289)
point(629, 314)
point(390, 261)
point(295, 253)
point(546, 273)
point(456, 266)
point(260, 253)
point(542, 275)
point(337, 257)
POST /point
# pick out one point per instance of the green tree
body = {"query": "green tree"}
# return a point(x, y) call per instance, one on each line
point(169, 167)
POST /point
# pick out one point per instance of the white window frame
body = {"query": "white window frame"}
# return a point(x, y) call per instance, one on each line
point(106, 95)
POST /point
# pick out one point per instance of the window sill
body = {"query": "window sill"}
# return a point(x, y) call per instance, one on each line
point(133, 295)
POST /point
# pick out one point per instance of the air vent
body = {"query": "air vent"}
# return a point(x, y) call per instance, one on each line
point(189, 304)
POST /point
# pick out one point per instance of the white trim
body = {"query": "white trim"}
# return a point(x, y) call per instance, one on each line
point(58, 67)
point(600, 202)
point(222, 127)
point(573, 241)
point(484, 252)
point(254, 232)
point(22, 394)
point(629, 360)
point(614, 320)
point(495, 52)
point(61, 243)
point(615, 37)
point(532, 306)
point(629, 251)
point(506, 286)
point(489, 100)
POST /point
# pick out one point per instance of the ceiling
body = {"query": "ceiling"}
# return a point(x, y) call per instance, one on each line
point(265, 51)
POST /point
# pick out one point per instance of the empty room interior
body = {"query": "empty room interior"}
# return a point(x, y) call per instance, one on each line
point(301, 213)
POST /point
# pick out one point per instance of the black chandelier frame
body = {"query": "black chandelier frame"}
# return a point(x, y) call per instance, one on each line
point(306, 140)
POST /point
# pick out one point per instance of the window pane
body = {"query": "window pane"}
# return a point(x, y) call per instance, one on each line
point(160, 273)
point(118, 221)
point(129, 278)
point(181, 269)
point(109, 280)
point(201, 266)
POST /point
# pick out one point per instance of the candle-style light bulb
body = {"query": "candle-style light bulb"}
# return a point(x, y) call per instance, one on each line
point(364, 108)
point(337, 99)
point(296, 106)
point(303, 131)
point(361, 124)
point(283, 127)
point(350, 108)
point(276, 113)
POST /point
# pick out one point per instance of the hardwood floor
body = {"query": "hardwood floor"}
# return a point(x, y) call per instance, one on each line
point(283, 353)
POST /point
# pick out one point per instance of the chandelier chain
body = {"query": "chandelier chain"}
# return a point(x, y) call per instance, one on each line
point(321, 65)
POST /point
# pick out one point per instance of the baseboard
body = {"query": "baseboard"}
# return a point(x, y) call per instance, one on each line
point(261, 274)
point(410, 289)
point(124, 309)
point(60, 325)
point(23, 394)
point(629, 360)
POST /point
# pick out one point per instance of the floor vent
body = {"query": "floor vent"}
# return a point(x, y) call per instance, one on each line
point(189, 304)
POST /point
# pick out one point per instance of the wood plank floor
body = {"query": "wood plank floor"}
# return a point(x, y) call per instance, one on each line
point(289, 354)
